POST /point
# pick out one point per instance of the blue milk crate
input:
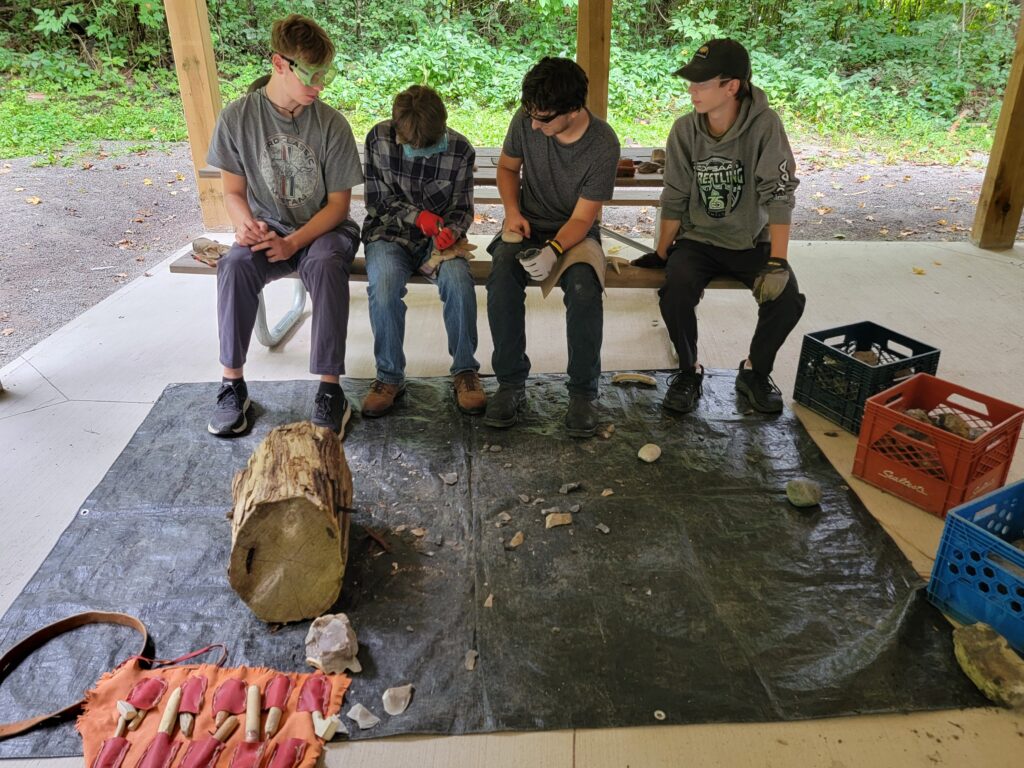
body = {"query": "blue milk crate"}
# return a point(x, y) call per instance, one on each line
point(978, 573)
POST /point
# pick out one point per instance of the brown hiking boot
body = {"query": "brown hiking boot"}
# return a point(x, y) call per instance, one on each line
point(469, 394)
point(381, 398)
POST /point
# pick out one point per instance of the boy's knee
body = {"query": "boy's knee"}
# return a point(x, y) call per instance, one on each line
point(455, 273)
point(329, 253)
point(237, 257)
point(385, 284)
point(682, 283)
point(579, 281)
point(505, 272)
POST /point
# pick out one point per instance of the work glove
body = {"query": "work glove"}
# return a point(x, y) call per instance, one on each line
point(771, 280)
point(649, 261)
point(444, 239)
point(539, 262)
point(429, 223)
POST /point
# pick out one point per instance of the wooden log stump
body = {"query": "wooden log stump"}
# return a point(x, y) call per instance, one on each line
point(289, 530)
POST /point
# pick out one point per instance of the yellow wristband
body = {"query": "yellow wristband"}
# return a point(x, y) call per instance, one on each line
point(556, 246)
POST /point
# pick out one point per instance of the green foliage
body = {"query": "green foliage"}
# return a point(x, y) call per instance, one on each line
point(888, 73)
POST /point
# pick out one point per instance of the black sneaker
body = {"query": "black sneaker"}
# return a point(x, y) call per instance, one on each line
point(581, 418)
point(331, 410)
point(684, 390)
point(503, 409)
point(760, 390)
point(228, 418)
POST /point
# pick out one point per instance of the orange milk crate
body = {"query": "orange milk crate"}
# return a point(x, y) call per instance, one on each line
point(928, 466)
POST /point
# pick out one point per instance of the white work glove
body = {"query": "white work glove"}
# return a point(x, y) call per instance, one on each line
point(771, 281)
point(539, 262)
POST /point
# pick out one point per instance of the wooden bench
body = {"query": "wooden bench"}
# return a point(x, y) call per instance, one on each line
point(626, 277)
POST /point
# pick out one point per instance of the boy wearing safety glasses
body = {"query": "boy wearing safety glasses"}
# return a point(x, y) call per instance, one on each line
point(556, 169)
point(288, 164)
point(419, 200)
point(725, 211)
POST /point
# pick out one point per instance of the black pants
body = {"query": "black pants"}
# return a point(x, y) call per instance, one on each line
point(506, 314)
point(691, 266)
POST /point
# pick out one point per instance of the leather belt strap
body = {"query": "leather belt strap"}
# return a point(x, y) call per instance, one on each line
point(23, 649)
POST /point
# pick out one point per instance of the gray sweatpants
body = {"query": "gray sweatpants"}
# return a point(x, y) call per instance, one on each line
point(323, 266)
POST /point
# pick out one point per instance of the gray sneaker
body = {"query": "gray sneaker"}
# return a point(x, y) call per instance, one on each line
point(503, 409)
point(331, 410)
point(581, 417)
point(684, 390)
point(759, 389)
point(228, 419)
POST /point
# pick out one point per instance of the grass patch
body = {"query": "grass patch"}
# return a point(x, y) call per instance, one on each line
point(49, 122)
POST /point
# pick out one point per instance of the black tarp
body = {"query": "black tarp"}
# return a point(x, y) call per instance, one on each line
point(710, 599)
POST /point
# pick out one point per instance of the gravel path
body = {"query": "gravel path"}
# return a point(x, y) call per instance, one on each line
point(74, 234)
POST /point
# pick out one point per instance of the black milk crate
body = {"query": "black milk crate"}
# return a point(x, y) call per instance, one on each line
point(830, 381)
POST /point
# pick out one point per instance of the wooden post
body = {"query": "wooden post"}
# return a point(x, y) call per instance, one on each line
point(1002, 193)
point(189, 26)
point(593, 50)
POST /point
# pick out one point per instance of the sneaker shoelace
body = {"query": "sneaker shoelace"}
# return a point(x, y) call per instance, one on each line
point(378, 386)
point(228, 391)
point(689, 378)
point(322, 405)
point(766, 385)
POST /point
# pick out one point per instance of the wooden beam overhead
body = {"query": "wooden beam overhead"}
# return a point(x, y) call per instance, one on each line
point(1002, 193)
point(189, 25)
point(593, 50)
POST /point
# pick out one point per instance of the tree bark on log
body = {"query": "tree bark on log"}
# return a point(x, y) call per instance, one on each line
point(289, 530)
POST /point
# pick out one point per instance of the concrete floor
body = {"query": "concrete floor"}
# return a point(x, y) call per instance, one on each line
point(73, 401)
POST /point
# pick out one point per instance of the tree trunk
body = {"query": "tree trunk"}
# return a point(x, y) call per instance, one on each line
point(289, 531)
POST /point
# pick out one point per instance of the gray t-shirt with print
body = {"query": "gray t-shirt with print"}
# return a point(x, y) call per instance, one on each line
point(289, 165)
point(556, 175)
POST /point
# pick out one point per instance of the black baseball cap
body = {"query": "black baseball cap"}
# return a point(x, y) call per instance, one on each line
point(717, 58)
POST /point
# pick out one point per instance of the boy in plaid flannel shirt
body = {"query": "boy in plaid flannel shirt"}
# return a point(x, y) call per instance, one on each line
point(419, 198)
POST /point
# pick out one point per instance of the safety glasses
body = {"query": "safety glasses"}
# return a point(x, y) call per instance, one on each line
point(312, 77)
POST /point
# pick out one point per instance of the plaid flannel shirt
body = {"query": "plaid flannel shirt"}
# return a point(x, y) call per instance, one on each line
point(398, 188)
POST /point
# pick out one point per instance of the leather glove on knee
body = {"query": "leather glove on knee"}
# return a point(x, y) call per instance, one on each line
point(539, 262)
point(771, 281)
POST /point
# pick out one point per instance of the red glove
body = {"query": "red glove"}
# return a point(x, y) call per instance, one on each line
point(444, 239)
point(429, 223)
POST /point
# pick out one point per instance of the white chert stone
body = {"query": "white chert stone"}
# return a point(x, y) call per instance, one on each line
point(331, 644)
point(364, 718)
point(396, 700)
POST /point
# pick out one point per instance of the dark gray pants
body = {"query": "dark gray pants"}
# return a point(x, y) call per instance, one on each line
point(506, 315)
point(691, 266)
point(323, 267)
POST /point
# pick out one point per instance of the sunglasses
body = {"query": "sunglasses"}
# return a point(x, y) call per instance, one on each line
point(312, 77)
point(547, 119)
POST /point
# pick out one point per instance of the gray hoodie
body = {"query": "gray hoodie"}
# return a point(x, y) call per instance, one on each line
point(727, 191)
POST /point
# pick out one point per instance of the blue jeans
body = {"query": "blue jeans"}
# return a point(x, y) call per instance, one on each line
point(388, 268)
point(506, 312)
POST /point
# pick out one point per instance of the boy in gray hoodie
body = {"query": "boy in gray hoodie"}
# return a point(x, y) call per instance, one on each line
point(726, 209)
